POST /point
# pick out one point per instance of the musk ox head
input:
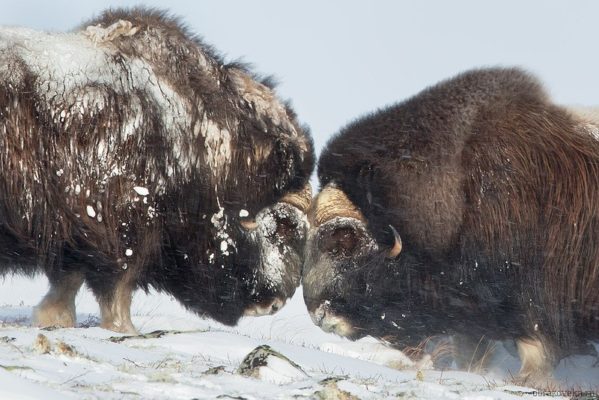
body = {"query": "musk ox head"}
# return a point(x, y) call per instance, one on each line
point(277, 234)
point(351, 282)
point(250, 264)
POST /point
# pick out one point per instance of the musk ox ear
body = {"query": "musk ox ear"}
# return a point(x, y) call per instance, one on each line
point(397, 245)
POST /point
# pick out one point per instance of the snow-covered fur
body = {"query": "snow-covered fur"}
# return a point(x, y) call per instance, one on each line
point(129, 155)
point(494, 192)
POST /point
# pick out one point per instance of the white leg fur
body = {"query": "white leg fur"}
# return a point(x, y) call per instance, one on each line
point(537, 362)
point(57, 308)
point(116, 312)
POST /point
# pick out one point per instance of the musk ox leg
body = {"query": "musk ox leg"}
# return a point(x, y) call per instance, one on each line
point(538, 360)
point(472, 354)
point(116, 308)
point(57, 308)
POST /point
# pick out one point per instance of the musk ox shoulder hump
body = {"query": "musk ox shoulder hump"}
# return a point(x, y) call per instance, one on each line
point(164, 40)
point(442, 112)
point(169, 79)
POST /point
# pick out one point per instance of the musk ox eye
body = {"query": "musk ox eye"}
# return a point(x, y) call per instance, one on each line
point(285, 227)
point(342, 241)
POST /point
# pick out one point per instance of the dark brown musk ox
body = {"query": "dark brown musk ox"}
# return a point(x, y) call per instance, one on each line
point(132, 156)
point(472, 209)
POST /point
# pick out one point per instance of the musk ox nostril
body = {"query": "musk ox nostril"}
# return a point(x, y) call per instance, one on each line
point(328, 321)
point(276, 305)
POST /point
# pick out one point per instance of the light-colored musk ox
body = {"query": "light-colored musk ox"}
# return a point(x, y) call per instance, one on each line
point(472, 209)
point(132, 157)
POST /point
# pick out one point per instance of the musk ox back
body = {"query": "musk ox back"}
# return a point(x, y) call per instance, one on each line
point(132, 156)
point(471, 208)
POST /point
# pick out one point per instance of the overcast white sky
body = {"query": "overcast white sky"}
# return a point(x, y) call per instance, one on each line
point(339, 59)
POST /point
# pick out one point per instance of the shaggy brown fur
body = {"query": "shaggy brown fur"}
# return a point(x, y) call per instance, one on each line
point(130, 159)
point(495, 193)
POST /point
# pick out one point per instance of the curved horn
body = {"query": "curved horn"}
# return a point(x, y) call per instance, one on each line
point(248, 224)
point(301, 199)
point(332, 202)
point(396, 249)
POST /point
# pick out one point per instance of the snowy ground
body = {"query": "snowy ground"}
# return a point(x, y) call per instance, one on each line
point(199, 359)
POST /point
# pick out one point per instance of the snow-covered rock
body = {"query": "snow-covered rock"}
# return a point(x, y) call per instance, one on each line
point(271, 366)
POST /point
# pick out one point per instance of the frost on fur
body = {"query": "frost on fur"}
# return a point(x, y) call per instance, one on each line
point(120, 143)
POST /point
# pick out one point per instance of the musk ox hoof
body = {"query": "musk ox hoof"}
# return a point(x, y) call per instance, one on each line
point(538, 361)
point(52, 314)
point(537, 380)
point(120, 327)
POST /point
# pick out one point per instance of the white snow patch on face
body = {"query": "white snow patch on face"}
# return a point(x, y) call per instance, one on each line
point(275, 249)
point(272, 260)
point(244, 213)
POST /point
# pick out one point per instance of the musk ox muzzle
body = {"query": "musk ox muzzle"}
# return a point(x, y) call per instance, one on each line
point(328, 321)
